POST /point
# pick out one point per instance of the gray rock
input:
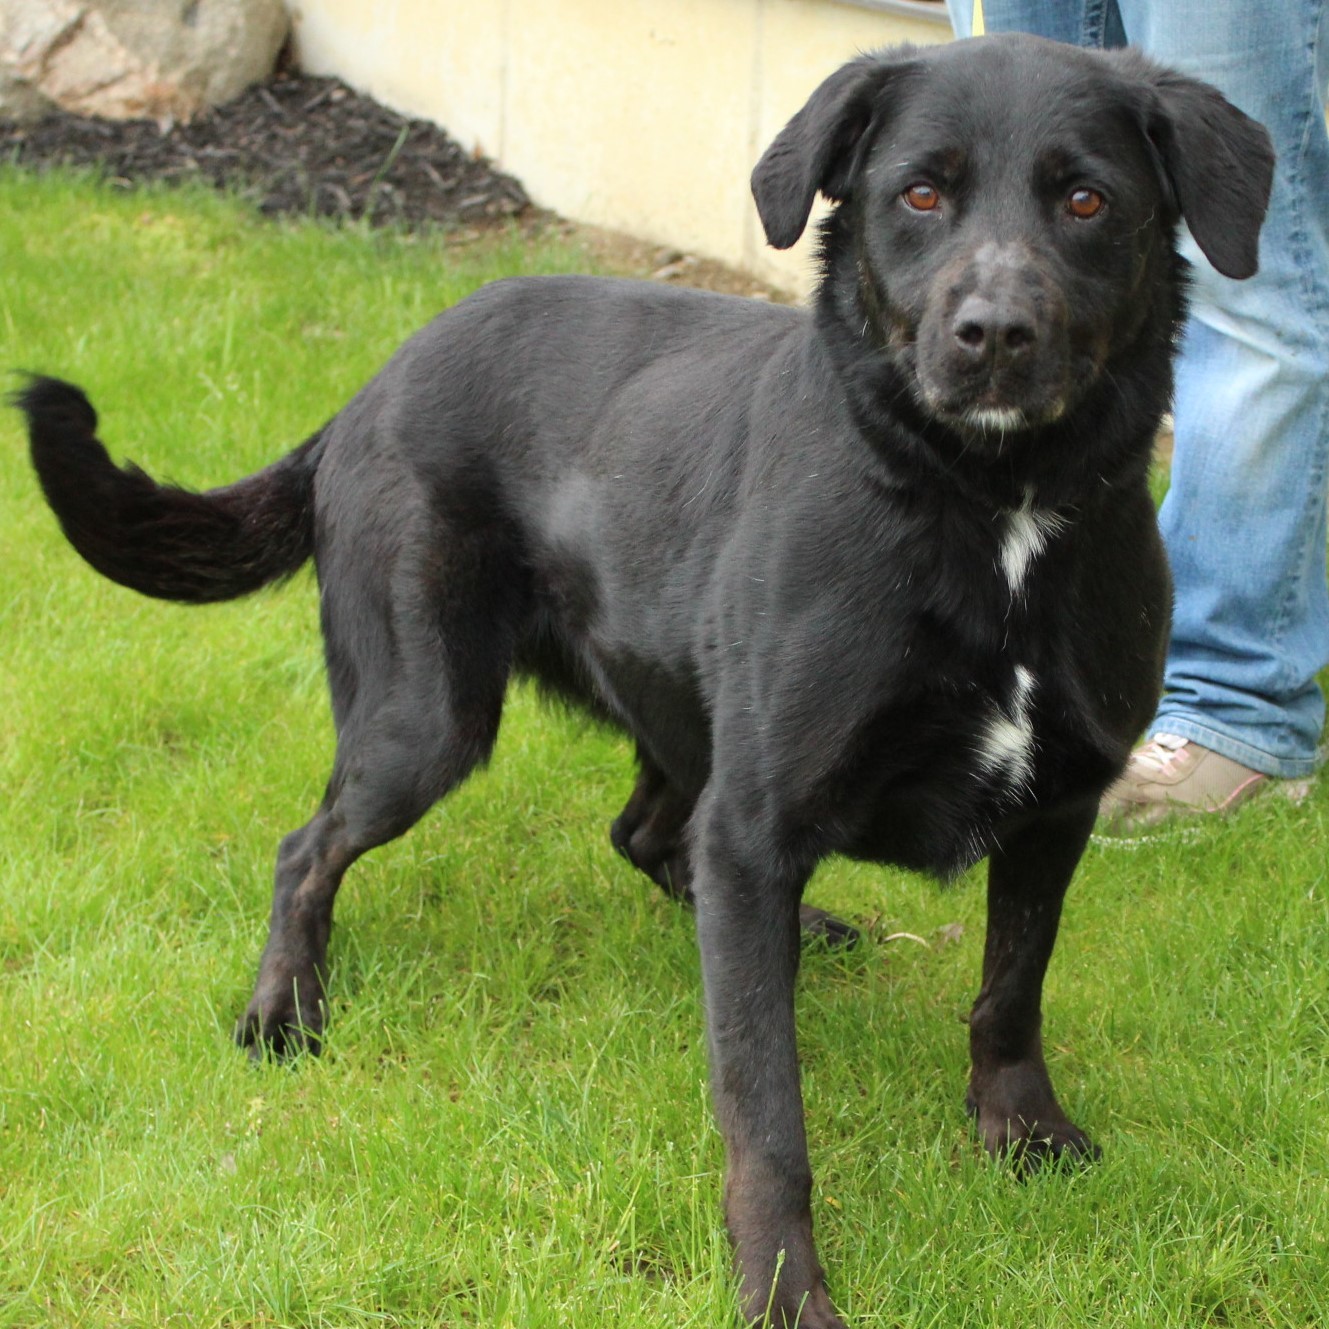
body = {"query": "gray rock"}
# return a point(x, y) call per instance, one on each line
point(129, 59)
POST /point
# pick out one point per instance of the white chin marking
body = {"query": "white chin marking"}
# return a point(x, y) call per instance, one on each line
point(996, 419)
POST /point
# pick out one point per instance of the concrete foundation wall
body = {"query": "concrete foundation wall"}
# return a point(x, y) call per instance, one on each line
point(644, 116)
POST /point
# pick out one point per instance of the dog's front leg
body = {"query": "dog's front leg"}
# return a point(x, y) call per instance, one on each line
point(748, 931)
point(1010, 1092)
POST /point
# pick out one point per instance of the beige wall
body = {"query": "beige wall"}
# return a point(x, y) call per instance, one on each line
point(646, 116)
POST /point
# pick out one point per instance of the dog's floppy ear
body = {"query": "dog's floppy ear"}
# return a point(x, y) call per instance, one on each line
point(1220, 165)
point(816, 150)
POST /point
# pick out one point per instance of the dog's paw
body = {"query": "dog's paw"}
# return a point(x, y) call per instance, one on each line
point(826, 927)
point(1031, 1142)
point(812, 1310)
point(280, 1028)
point(1019, 1119)
point(782, 1285)
point(1044, 1147)
point(1064, 1147)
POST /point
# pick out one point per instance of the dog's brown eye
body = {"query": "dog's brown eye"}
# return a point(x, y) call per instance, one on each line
point(1085, 203)
point(921, 197)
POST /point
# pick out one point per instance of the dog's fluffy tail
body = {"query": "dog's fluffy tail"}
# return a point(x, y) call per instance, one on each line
point(157, 539)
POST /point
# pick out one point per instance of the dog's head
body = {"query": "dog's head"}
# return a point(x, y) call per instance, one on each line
point(1012, 207)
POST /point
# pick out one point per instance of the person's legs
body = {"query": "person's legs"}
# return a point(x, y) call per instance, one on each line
point(1079, 22)
point(1244, 520)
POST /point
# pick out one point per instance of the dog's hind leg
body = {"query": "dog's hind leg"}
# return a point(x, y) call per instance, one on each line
point(650, 834)
point(286, 1012)
point(418, 684)
point(389, 771)
point(649, 830)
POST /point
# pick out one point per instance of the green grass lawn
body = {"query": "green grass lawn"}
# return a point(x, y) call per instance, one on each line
point(510, 1124)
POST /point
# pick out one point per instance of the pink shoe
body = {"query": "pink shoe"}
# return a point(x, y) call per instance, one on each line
point(1170, 776)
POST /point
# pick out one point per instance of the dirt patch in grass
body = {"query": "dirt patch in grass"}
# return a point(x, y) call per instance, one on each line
point(641, 258)
point(305, 146)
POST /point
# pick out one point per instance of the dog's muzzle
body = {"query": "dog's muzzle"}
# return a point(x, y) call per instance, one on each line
point(992, 352)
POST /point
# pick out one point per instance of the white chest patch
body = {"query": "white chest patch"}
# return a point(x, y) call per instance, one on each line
point(1028, 530)
point(1006, 743)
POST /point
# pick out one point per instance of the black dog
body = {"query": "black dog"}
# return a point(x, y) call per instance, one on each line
point(879, 579)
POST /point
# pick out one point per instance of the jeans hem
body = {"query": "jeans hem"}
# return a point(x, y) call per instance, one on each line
point(1281, 768)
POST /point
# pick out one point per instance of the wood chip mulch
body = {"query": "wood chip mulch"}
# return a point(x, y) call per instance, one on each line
point(294, 144)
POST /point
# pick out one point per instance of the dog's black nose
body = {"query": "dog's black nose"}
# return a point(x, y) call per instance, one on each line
point(991, 332)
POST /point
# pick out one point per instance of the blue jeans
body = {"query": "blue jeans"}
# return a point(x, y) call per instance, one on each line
point(1245, 518)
